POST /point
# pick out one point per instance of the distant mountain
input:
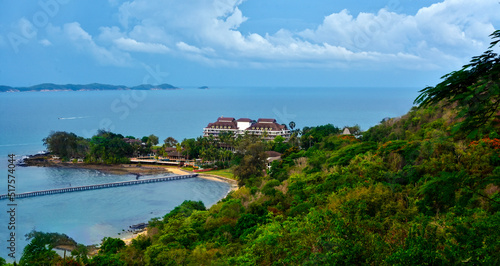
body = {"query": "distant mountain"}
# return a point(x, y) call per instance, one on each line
point(203, 88)
point(154, 87)
point(88, 87)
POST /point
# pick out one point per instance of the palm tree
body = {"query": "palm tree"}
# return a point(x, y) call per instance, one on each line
point(178, 147)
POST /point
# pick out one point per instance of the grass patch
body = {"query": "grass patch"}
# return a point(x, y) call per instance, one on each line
point(228, 173)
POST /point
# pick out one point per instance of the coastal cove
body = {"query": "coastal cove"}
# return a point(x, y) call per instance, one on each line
point(89, 216)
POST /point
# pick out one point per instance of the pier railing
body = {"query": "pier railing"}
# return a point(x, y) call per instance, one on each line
point(98, 186)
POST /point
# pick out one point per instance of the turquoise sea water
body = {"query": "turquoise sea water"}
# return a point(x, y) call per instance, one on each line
point(26, 118)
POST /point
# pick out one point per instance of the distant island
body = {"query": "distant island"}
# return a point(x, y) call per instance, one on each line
point(203, 88)
point(87, 87)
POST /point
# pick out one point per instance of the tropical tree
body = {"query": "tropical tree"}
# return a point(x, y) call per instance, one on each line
point(80, 253)
point(191, 149)
point(178, 147)
point(252, 159)
point(475, 89)
point(111, 245)
point(170, 142)
point(40, 250)
point(226, 139)
point(152, 139)
point(66, 145)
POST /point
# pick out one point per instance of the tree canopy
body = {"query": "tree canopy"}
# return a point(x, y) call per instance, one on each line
point(474, 89)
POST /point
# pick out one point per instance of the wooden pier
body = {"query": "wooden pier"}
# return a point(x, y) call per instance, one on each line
point(99, 186)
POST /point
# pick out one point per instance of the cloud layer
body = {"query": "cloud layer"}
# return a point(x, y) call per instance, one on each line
point(445, 33)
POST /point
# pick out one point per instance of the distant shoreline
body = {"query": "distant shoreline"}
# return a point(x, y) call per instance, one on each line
point(49, 87)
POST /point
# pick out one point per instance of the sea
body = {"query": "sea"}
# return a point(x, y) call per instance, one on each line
point(87, 217)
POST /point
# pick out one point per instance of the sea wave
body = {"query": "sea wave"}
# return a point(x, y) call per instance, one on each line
point(18, 144)
point(73, 117)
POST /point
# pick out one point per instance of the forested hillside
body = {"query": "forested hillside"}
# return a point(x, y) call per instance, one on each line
point(422, 189)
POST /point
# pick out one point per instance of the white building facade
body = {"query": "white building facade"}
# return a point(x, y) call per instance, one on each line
point(268, 128)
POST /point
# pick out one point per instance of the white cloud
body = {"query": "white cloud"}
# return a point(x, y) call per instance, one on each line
point(450, 30)
point(109, 34)
point(81, 39)
point(135, 46)
point(446, 33)
point(188, 48)
point(45, 42)
point(76, 33)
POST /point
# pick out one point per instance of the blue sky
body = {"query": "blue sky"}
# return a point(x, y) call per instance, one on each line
point(397, 43)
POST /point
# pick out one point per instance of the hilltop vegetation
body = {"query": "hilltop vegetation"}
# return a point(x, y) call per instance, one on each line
point(423, 189)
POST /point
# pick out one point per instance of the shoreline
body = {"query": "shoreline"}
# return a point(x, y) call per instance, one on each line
point(233, 187)
point(128, 239)
point(232, 182)
point(129, 169)
point(117, 169)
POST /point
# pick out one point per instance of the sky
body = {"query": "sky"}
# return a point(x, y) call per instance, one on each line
point(192, 43)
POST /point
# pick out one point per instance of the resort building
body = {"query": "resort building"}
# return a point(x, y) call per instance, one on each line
point(268, 128)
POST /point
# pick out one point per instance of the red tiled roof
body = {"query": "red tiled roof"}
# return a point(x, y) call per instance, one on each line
point(172, 151)
point(225, 123)
point(273, 154)
point(266, 120)
point(267, 126)
point(225, 119)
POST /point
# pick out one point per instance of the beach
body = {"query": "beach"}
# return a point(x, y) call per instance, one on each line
point(127, 169)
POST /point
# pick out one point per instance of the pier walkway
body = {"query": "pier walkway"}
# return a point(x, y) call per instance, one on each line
point(99, 186)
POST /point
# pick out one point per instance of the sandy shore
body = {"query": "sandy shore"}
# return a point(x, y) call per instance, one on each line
point(128, 240)
point(117, 169)
point(233, 183)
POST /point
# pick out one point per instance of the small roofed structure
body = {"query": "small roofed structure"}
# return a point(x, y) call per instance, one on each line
point(346, 131)
point(271, 157)
point(174, 154)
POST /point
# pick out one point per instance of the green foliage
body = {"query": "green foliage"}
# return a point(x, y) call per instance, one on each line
point(185, 209)
point(252, 158)
point(40, 250)
point(312, 135)
point(110, 148)
point(344, 155)
point(475, 89)
point(408, 192)
point(421, 248)
point(104, 147)
point(111, 245)
point(106, 259)
point(152, 140)
point(66, 145)
point(279, 144)
point(80, 253)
